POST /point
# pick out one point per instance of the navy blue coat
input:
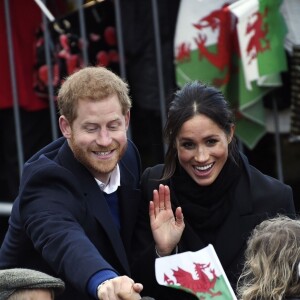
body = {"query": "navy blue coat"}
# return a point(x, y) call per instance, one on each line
point(61, 223)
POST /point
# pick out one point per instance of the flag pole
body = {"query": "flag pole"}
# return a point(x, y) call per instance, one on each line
point(161, 89)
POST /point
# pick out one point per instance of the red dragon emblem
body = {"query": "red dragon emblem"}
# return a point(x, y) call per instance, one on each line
point(183, 52)
point(200, 285)
point(258, 31)
point(220, 20)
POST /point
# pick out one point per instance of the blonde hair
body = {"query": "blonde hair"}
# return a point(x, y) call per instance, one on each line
point(272, 259)
point(93, 84)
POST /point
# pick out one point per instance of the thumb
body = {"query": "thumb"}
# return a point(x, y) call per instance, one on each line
point(137, 287)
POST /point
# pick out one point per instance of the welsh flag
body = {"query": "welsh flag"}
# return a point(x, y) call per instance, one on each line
point(237, 46)
point(199, 273)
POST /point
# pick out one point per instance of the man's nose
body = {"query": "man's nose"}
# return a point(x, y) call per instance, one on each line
point(104, 138)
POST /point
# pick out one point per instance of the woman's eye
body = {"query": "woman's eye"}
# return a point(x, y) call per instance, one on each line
point(188, 145)
point(211, 142)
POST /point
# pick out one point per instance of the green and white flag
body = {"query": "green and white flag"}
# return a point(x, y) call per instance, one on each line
point(236, 46)
point(199, 273)
point(261, 30)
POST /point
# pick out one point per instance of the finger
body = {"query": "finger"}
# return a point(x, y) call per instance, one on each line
point(167, 197)
point(179, 217)
point(156, 201)
point(106, 291)
point(129, 291)
point(151, 211)
point(111, 293)
point(137, 287)
point(161, 192)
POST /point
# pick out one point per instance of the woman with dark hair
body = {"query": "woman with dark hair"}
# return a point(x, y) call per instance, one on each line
point(272, 259)
point(208, 181)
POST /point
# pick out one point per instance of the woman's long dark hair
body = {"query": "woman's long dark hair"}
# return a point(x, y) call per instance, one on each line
point(193, 99)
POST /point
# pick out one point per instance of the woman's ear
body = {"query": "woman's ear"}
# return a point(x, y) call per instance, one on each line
point(231, 134)
point(65, 127)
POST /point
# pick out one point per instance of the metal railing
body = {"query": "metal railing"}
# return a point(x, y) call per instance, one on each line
point(5, 207)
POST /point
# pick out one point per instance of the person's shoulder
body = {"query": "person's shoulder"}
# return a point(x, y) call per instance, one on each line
point(257, 176)
point(131, 154)
point(261, 193)
point(154, 172)
point(45, 160)
point(131, 145)
point(263, 186)
point(268, 181)
point(151, 178)
point(131, 158)
point(49, 150)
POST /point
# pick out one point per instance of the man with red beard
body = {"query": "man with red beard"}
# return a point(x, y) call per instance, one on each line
point(78, 199)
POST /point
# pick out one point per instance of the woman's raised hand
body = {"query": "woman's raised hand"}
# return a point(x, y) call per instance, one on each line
point(166, 227)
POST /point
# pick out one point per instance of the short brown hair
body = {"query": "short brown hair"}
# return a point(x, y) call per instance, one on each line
point(91, 83)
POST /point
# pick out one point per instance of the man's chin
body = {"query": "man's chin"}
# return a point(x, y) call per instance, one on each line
point(105, 167)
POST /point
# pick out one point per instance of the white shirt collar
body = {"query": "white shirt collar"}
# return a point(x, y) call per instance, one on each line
point(113, 183)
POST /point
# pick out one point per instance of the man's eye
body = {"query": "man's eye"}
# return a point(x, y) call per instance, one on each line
point(91, 129)
point(113, 126)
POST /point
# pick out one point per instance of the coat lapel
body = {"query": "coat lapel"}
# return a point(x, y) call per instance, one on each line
point(233, 234)
point(100, 210)
point(129, 197)
point(129, 203)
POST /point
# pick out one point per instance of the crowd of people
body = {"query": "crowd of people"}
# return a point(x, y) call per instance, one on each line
point(88, 214)
point(89, 221)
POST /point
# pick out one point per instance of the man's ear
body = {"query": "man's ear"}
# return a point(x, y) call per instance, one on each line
point(65, 127)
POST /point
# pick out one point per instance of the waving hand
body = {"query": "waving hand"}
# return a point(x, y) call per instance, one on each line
point(166, 227)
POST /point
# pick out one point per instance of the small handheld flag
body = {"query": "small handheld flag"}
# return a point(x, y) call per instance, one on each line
point(199, 273)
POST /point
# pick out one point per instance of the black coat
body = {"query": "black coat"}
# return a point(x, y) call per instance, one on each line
point(61, 223)
point(256, 197)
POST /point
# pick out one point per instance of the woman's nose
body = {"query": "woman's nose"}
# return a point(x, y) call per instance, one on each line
point(201, 154)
